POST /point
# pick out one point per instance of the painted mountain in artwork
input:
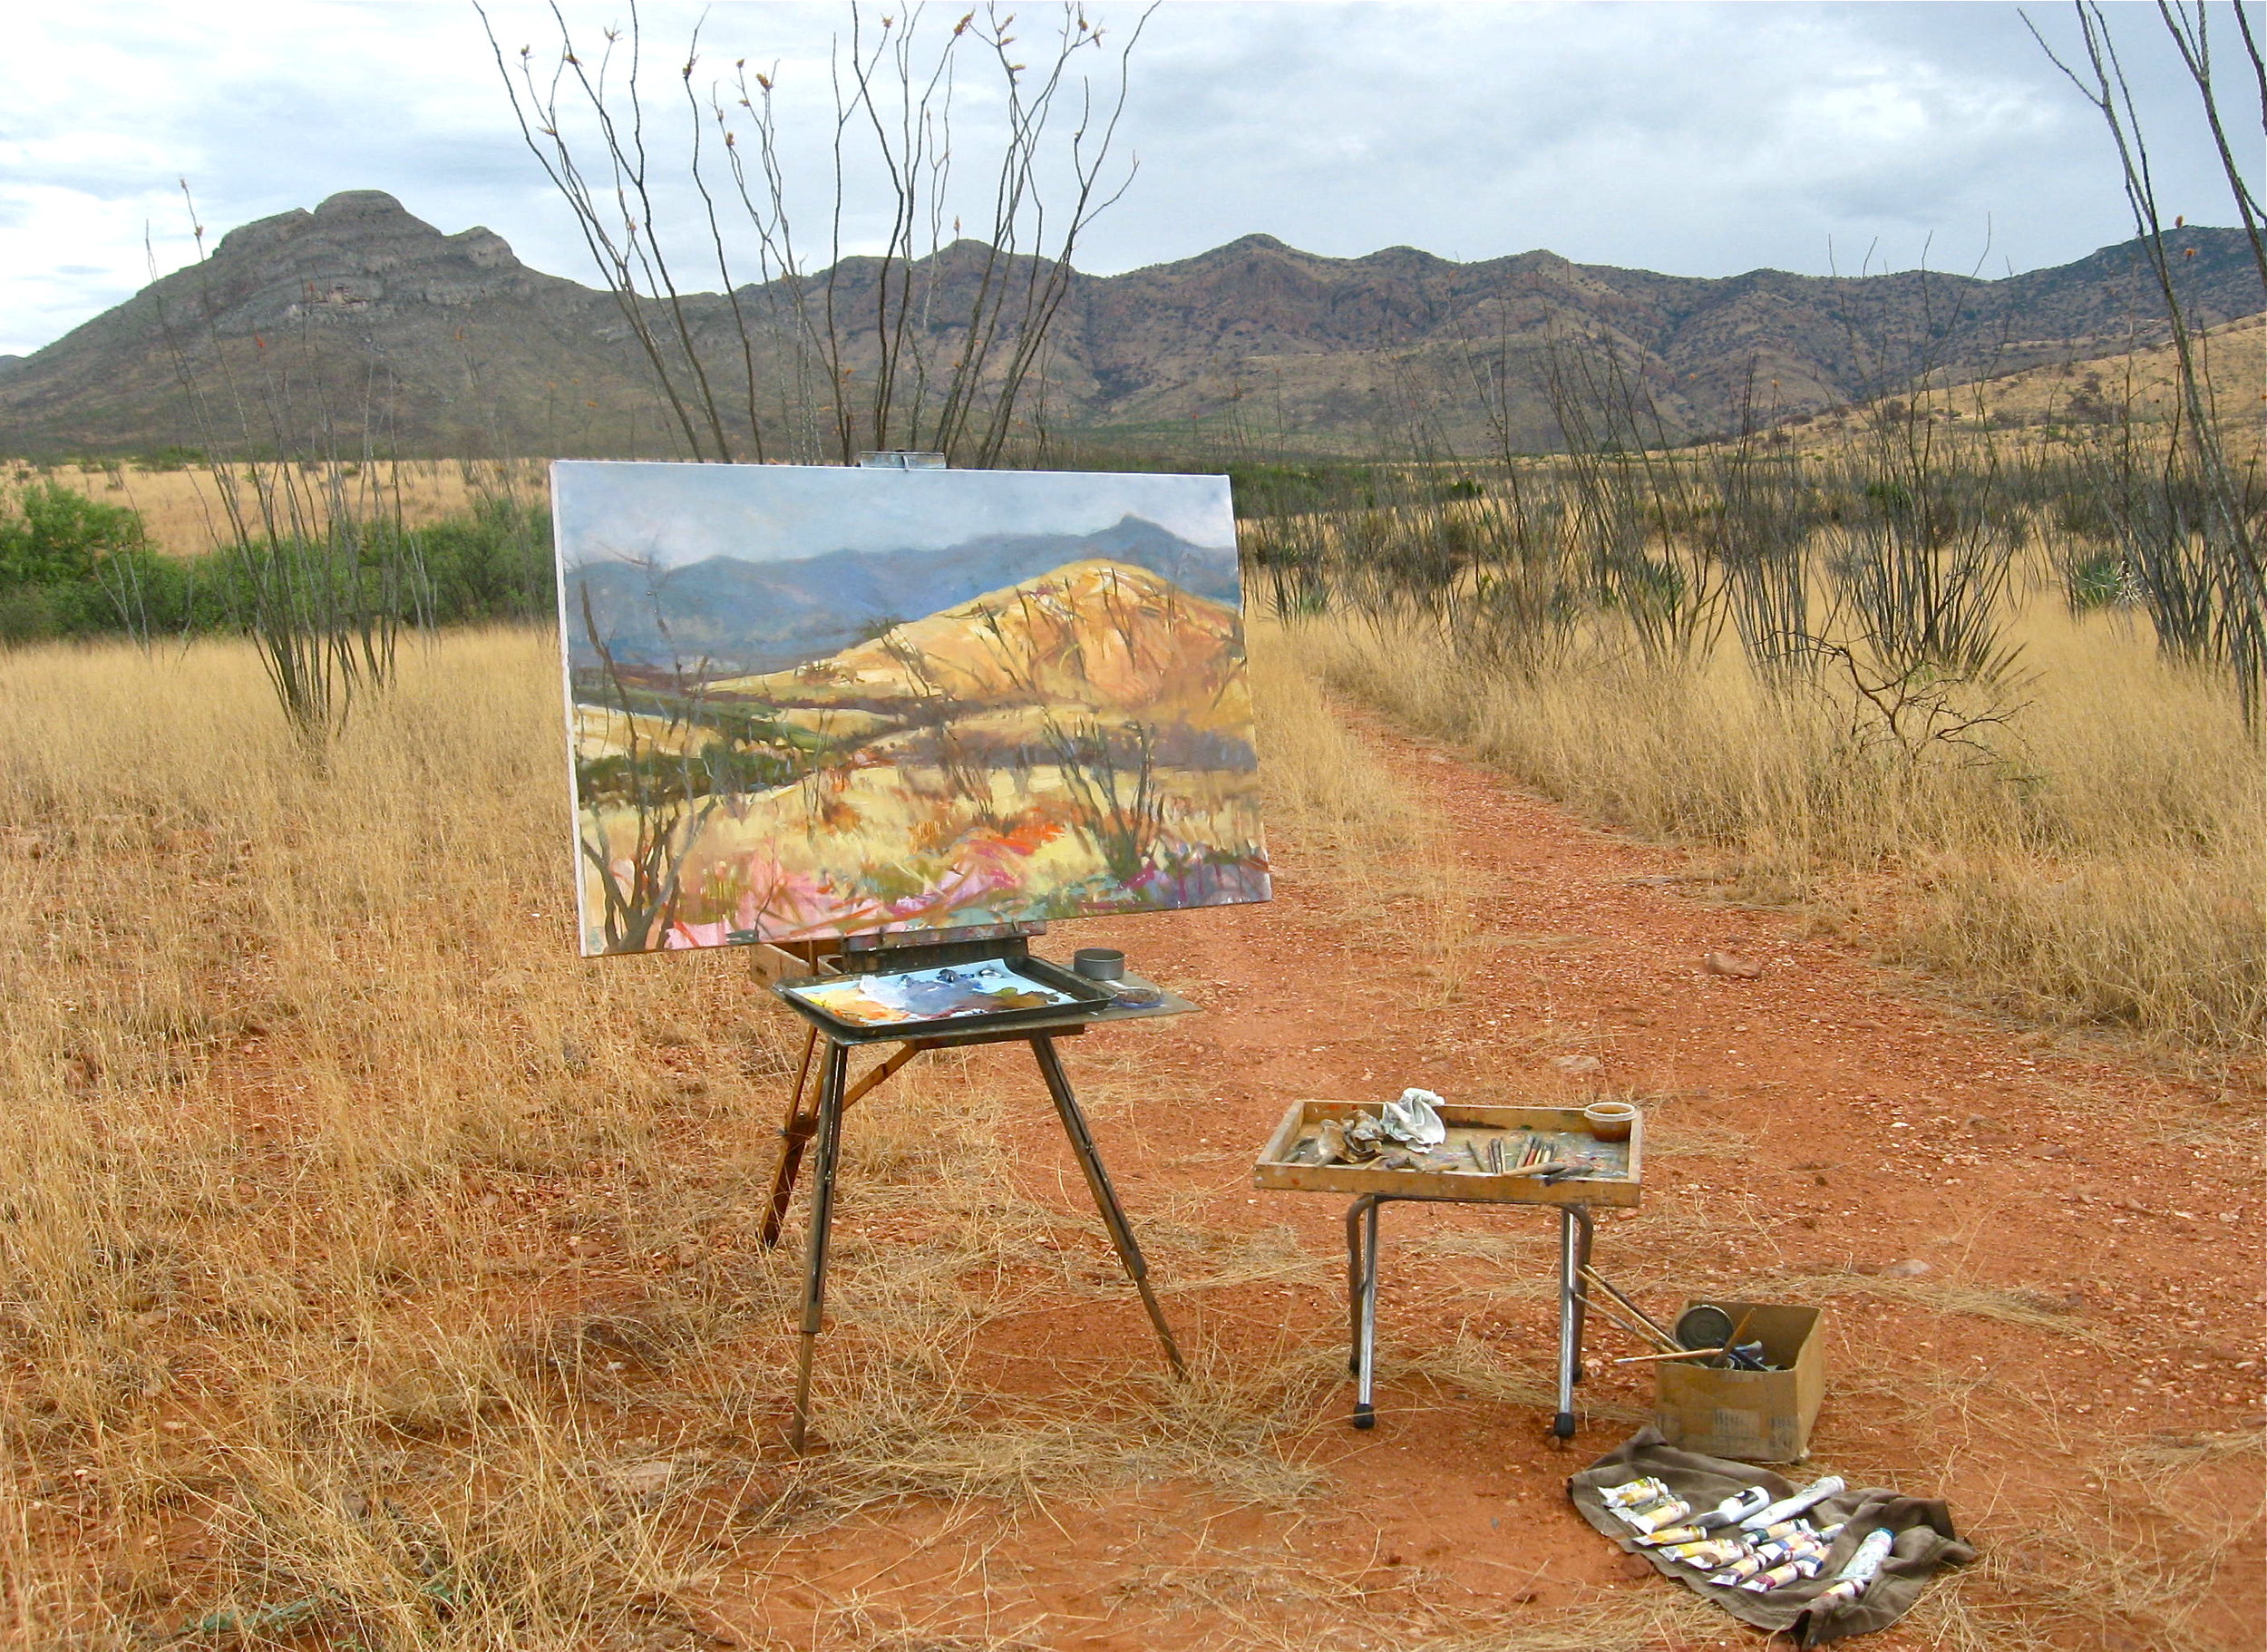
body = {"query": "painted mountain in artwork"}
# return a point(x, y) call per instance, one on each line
point(727, 615)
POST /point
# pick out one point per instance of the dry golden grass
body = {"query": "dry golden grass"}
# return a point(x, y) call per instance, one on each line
point(2099, 864)
point(2043, 409)
point(185, 514)
point(375, 1273)
point(363, 1243)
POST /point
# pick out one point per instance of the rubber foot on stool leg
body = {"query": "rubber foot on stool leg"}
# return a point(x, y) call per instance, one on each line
point(1562, 1426)
point(1365, 1416)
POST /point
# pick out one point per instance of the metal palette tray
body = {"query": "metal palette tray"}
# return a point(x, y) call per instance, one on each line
point(1614, 1177)
point(1086, 997)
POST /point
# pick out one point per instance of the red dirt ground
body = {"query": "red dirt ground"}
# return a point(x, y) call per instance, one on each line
point(1858, 1119)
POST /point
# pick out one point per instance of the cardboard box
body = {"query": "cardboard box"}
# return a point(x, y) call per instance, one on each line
point(1750, 1417)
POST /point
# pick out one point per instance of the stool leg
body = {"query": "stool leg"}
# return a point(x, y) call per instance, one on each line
point(1365, 1322)
point(1574, 1235)
point(831, 1084)
point(1354, 1283)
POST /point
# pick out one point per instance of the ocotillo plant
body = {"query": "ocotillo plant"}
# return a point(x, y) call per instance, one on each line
point(933, 343)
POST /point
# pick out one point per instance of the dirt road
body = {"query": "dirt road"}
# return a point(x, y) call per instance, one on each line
point(2041, 1265)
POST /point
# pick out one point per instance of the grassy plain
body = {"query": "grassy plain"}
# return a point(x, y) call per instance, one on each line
point(375, 1273)
point(2098, 862)
point(370, 1261)
point(185, 512)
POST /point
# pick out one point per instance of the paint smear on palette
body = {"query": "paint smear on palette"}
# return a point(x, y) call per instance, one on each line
point(929, 995)
point(808, 702)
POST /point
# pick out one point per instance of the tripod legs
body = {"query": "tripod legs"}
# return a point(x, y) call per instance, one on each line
point(825, 1122)
point(830, 1122)
point(1105, 1197)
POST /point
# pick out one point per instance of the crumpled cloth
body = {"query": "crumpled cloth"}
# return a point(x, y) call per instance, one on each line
point(1925, 1539)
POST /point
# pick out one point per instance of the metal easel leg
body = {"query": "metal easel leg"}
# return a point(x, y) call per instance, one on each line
point(835, 1070)
point(1361, 1233)
point(1574, 1240)
point(1105, 1198)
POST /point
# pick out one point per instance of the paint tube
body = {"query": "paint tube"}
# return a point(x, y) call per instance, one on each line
point(1797, 1527)
point(1671, 1534)
point(1792, 1572)
point(1809, 1497)
point(1660, 1516)
point(1735, 1507)
point(1858, 1575)
point(1633, 1495)
point(1764, 1555)
point(1709, 1551)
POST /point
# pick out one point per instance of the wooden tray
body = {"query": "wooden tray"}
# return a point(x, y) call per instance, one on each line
point(1276, 1169)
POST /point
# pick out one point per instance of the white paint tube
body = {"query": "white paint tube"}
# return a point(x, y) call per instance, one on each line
point(1673, 1534)
point(1809, 1497)
point(1735, 1507)
point(1797, 1527)
point(1633, 1493)
point(1855, 1577)
point(1792, 1572)
point(1670, 1513)
point(1709, 1551)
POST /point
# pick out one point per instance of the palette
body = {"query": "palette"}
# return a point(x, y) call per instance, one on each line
point(1607, 1173)
point(988, 992)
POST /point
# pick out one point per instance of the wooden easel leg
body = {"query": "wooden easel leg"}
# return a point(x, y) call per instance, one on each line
point(797, 1131)
point(835, 1070)
point(793, 1135)
point(1121, 1231)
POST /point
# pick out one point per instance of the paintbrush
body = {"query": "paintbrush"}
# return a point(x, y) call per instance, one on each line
point(1653, 1327)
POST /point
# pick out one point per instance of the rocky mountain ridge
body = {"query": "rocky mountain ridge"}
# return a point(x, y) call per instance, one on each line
point(360, 321)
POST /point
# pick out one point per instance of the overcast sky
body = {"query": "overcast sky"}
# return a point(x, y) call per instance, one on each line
point(1698, 139)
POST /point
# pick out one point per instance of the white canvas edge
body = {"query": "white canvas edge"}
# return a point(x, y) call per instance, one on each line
point(567, 696)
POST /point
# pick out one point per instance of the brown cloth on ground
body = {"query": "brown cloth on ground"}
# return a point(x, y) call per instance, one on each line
point(1925, 1539)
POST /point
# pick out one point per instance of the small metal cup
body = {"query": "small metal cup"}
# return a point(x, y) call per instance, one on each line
point(1099, 963)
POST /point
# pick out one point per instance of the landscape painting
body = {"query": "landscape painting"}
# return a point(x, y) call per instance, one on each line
point(807, 702)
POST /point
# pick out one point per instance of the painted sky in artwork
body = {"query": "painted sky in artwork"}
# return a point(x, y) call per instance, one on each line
point(677, 514)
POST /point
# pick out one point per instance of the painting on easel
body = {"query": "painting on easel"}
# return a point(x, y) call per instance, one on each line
point(808, 702)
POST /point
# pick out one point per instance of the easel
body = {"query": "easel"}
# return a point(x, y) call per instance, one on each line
point(816, 1111)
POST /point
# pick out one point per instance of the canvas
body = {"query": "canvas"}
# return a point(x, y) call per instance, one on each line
point(807, 702)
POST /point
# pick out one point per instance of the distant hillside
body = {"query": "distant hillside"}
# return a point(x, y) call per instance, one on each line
point(427, 342)
point(754, 616)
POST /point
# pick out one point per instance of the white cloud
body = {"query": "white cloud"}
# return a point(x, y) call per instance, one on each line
point(1699, 139)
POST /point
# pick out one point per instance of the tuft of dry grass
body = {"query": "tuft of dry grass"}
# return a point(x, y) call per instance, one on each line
point(2098, 864)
